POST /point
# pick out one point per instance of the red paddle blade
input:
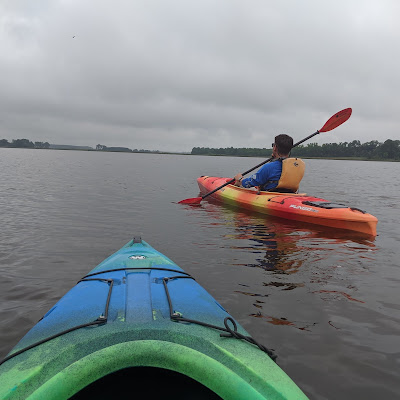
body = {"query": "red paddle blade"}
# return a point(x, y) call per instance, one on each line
point(192, 201)
point(338, 119)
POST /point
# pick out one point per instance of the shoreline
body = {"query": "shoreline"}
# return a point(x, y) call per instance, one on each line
point(209, 155)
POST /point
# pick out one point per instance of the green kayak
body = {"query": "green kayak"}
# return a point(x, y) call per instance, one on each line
point(139, 326)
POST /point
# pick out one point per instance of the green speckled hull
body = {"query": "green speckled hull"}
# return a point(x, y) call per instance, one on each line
point(138, 309)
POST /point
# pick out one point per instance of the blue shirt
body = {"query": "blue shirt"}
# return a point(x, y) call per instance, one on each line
point(269, 172)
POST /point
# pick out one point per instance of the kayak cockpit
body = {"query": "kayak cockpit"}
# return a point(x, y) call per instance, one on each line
point(153, 383)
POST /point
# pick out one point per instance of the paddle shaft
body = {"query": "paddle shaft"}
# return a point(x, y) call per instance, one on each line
point(257, 166)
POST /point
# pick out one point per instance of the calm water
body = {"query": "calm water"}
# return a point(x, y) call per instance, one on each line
point(327, 302)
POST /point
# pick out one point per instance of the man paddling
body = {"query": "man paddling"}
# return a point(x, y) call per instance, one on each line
point(333, 122)
point(282, 174)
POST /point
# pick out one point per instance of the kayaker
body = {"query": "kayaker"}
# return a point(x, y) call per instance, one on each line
point(282, 174)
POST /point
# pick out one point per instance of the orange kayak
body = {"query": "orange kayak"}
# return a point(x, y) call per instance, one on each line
point(292, 206)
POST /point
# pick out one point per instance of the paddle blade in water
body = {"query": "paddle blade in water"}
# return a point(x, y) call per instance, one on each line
point(192, 201)
point(338, 119)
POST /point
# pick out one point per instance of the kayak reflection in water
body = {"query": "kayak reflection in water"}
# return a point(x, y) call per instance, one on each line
point(283, 174)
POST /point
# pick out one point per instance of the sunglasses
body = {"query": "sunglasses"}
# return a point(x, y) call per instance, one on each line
point(273, 144)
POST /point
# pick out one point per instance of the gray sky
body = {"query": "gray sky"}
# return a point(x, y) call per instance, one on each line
point(175, 74)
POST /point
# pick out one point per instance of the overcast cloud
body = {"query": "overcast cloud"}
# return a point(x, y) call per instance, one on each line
point(175, 74)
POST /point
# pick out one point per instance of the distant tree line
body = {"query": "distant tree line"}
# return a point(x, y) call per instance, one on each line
point(24, 143)
point(232, 151)
point(101, 147)
point(373, 150)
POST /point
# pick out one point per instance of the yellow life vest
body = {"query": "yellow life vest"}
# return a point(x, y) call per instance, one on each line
point(292, 174)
